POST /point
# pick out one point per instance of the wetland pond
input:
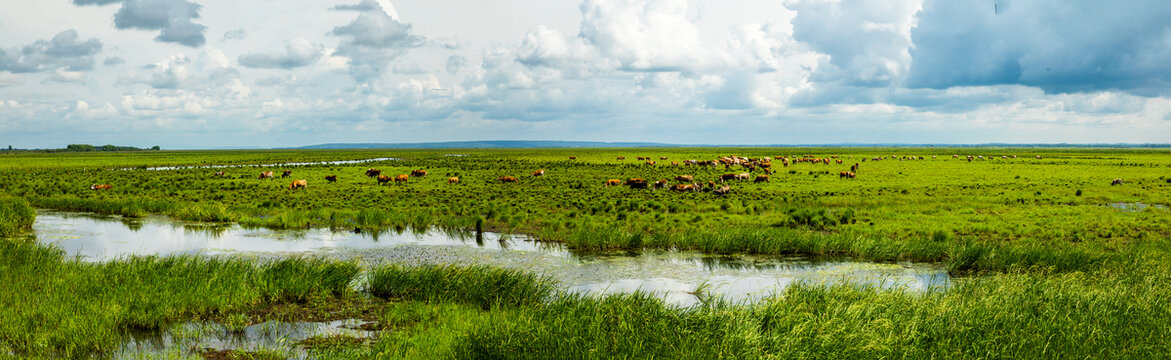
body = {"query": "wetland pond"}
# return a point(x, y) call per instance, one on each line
point(673, 275)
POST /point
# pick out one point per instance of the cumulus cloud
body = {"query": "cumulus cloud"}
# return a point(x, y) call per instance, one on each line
point(373, 39)
point(172, 18)
point(10, 79)
point(66, 49)
point(210, 68)
point(643, 35)
point(113, 60)
point(866, 42)
point(298, 53)
point(1059, 46)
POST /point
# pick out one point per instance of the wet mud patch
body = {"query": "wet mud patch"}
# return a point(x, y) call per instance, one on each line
point(213, 354)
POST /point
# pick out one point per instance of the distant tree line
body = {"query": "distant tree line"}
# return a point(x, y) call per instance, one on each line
point(89, 148)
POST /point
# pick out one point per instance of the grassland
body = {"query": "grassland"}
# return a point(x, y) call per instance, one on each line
point(1054, 267)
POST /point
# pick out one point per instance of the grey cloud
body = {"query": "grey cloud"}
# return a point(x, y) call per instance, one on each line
point(113, 61)
point(298, 53)
point(173, 19)
point(867, 42)
point(66, 49)
point(455, 63)
point(372, 40)
point(238, 34)
point(1058, 45)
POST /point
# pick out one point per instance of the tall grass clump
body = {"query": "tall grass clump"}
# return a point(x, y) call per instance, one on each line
point(15, 216)
point(477, 285)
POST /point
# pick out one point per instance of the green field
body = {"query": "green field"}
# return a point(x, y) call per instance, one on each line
point(1053, 260)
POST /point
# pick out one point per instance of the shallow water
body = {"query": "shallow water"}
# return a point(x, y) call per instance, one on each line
point(674, 275)
point(268, 335)
point(1135, 206)
point(337, 162)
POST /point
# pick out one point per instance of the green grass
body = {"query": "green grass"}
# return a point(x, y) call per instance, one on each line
point(482, 286)
point(16, 217)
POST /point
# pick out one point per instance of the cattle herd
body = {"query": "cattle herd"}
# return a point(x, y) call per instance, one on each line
point(685, 183)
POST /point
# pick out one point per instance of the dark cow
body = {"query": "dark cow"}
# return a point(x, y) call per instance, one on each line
point(621, 158)
point(761, 178)
point(661, 184)
point(1116, 182)
point(508, 179)
point(419, 173)
point(401, 178)
point(572, 158)
point(662, 158)
point(287, 173)
point(265, 175)
point(727, 177)
point(373, 172)
point(331, 178)
point(101, 187)
point(299, 184)
point(637, 183)
point(383, 179)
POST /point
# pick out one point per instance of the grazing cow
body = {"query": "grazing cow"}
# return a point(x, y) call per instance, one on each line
point(723, 190)
point(743, 176)
point(508, 179)
point(401, 178)
point(613, 182)
point(685, 178)
point(845, 175)
point(383, 179)
point(373, 172)
point(1116, 182)
point(219, 173)
point(662, 158)
point(419, 173)
point(265, 175)
point(452, 180)
point(711, 184)
point(661, 184)
point(572, 158)
point(650, 162)
point(331, 178)
point(674, 163)
point(287, 173)
point(839, 161)
point(539, 172)
point(637, 183)
point(684, 187)
point(299, 184)
point(761, 178)
point(727, 177)
point(101, 187)
point(1038, 157)
point(621, 158)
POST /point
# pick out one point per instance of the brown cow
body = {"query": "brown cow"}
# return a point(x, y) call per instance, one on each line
point(539, 172)
point(650, 162)
point(219, 173)
point(661, 184)
point(637, 183)
point(761, 178)
point(723, 190)
point(613, 182)
point(331, 178)
point(621, 158)
point(674, 163)
point(845, 175)
point(452, 180)
point(684, 187)
point(727, 177)
point(640, 158)
point(287, 173)
point(419, 173)
point(372, 172)
point(401, 178)
point(572, 158)
point(101, 187)
point(299, 184)
point(685, 178)
point(265, 175)
point(508, 179)
point(662, 158)
point(383, 179)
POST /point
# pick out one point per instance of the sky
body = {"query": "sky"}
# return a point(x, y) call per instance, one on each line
point(186, 74)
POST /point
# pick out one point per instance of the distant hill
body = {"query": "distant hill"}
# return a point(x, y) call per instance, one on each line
point(491, 144)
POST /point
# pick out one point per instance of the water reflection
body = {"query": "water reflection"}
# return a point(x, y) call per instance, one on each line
point(674, 275)
point(338, 162)
point(266, 335)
